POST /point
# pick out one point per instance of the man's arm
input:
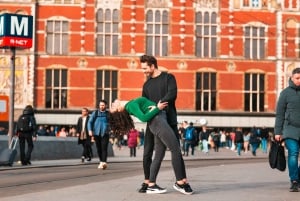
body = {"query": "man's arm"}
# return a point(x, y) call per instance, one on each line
point(171, 94)
point(280, 115)
point(90, 124)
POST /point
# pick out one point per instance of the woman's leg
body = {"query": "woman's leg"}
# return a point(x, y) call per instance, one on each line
point(160, 150)
point(148, 152)
point(134, 151)
point(165, 138)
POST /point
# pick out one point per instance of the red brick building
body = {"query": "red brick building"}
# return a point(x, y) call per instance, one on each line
point(231, 58)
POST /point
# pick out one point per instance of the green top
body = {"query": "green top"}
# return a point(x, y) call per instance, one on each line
point(139, 108)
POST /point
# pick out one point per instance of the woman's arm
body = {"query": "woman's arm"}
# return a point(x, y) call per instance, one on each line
point(136, 110)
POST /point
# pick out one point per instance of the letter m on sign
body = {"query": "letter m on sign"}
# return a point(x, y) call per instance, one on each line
point(19, 28)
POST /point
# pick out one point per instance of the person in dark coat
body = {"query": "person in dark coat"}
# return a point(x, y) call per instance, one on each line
point(160, 86)
point(83, 136)
point(287, 125)
point(27, 136)
point(239, 140)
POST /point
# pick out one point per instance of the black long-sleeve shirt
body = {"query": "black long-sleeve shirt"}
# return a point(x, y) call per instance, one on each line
point(163, 88)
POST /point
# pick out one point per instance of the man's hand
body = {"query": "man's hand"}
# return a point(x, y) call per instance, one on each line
point(162, 105)
point(91, 133)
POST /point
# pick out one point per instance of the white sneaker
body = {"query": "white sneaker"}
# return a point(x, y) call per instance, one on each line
point(184, 188)
point(100, 166)
point(155, 189)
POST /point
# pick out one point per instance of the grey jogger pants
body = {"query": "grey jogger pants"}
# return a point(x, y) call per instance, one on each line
point(165, 138)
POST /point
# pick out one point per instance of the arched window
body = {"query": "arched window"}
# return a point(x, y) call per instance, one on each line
point(157, 22)
point(107, 32)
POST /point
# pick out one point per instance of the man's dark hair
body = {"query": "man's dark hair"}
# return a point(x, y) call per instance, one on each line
point(296, 71)
point(103, 101)
point(149, 60)
point(28, 110)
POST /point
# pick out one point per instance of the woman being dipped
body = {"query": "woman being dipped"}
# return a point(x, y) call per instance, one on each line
point(147, 111)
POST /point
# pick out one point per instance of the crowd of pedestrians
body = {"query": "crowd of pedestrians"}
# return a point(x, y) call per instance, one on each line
point(239, 140)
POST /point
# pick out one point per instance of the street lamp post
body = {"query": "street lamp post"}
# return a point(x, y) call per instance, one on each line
point(12, 94)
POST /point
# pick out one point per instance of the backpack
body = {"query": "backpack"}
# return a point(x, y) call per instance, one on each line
point(189, 133)
point(24, 123)
point(215, 137)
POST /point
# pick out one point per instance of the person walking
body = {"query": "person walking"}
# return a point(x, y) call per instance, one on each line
point(239, 140)
point(133, 141)
point(190, 138)
point(26, 130)
point(287, 126)
point(215, 136)
point(83, 136)
point(142, 136)
point(160, 86)
point(148, 111)
point(254, 142)
point(181, 131)
point(264, 134)
point(246, 141)
point(204, 135)
point(98, 127)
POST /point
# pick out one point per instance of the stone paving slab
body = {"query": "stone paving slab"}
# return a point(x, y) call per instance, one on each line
point(240, 182)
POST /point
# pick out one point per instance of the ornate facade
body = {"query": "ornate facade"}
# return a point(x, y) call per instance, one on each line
point(230, 58)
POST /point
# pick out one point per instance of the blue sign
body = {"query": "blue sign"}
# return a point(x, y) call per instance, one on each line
point(16, 30)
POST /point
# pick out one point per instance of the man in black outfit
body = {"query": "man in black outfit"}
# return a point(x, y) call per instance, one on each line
point(83, 135)
point(28, 135)
point(160, 86)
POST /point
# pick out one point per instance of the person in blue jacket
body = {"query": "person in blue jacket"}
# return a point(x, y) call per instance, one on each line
point(98, 126)
point(287, 125)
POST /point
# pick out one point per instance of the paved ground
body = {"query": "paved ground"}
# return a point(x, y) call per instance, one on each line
point(236, 182)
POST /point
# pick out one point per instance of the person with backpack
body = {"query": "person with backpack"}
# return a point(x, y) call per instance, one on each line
point(98, 126)
point(190, 139)
point(215, 135)
point(26, 130)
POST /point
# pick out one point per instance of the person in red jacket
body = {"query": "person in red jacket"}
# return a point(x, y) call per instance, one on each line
point(132, 141)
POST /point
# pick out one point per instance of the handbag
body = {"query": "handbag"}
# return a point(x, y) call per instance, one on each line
point(277, 158)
